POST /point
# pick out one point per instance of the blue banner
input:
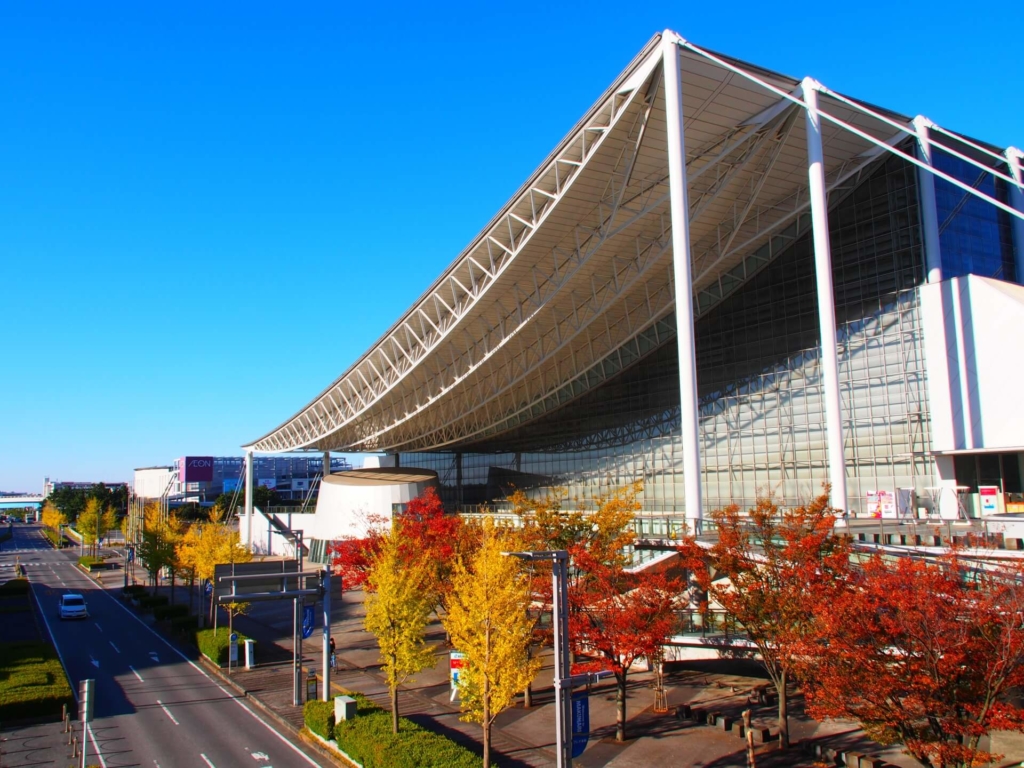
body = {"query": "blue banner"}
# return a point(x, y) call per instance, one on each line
point(580, 722)
point(307, 621)
point(208, 587)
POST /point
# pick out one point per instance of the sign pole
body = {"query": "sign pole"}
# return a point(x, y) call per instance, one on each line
point(85, 702)
point(327, 632)
point(296, 683)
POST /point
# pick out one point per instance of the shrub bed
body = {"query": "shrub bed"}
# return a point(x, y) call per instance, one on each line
point(53, 537)
point(149, 602)
point(134, 590)
point(319, 717)
point(214, 645)
point(14, 587)
point(5, 533)
point(368, 739)
point(91, 563)
point(186, 625)
point(161, 612)
point(34, 682)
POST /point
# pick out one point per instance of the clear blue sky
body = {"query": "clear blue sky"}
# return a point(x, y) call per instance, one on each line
point(203, 206)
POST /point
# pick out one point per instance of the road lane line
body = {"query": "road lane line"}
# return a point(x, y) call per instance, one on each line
point(53, 639)
point(167, 712)
point(98, 627)
point(136, 673)
point(114, 646)
point(203, 672)
point(95, 748)
point(207, 760)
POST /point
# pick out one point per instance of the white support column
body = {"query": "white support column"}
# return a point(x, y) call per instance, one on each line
point(926, 197)
point(327, 464)
point(826, 299)
point(680, 210)
point(1015, 159)
point(249, 490)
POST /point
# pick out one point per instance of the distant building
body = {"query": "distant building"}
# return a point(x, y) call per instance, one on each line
point(203, 478)
point(49, 486)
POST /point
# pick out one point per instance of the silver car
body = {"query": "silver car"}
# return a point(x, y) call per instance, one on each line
point(72, 606)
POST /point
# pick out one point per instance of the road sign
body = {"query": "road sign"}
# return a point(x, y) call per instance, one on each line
point(208, 588)
point(131, 554)
point(307, 621)
point(580, 722)
point(233, 647)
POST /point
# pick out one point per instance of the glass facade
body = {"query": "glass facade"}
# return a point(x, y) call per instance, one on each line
point(762, 424)
point(290, 476)
point(974, 237)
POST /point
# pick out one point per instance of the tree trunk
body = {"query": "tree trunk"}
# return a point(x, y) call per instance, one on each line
point(487, 723)
point(172, 586)
point(528, 692)
point(780, 687)
point(394, 709)
point(620, 706)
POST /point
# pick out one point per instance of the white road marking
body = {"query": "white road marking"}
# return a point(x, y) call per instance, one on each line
point(94, 662)
point(114, 646)
point(154, 657)
point(260, 756)
point(203, 672)
point(95, 748)
point(98, 627)
point(167, 712)
point(136, 673)
point(207, 760)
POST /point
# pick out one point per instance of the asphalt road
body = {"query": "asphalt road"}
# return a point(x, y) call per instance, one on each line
point(153, 706)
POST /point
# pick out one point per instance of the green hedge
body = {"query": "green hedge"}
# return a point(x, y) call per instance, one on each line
point(89, 562)
point(161, 612)
point(368, 739)
point(214, 646)
point(14, 587)
point(34, 683)
point(185, 624)
point(53, 537)
point(150, 602)
point(134, 590)
point(5, 532)
point(319, 717)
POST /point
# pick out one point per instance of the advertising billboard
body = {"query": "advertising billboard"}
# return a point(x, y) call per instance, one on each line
point(195, 469)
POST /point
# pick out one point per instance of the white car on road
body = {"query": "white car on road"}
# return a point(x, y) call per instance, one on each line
point(72, 606)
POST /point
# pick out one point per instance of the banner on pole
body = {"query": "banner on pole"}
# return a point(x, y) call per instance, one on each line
point(580, 722)
point(456, 661)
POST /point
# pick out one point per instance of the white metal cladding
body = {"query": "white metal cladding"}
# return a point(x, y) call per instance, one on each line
point(577, 268)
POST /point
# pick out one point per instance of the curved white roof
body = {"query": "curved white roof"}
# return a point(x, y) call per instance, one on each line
point(570, 281)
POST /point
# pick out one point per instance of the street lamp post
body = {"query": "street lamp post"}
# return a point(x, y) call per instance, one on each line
point(559, 560)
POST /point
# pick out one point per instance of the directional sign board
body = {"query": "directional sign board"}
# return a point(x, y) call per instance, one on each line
point(252, 586)
point(233, 648)
point(580, 722)
point(208, 587)
point(307, 621)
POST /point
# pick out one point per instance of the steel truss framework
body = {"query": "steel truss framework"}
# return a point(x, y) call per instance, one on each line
point(573, 278)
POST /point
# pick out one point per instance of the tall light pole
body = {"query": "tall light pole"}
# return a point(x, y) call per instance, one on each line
point(559, 560)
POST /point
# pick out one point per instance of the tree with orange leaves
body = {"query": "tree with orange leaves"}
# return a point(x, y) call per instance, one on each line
point(923, 654)
point(620, 618)
point(768, 570)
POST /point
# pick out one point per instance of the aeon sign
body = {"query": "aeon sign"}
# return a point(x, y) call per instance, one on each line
point(195, 469)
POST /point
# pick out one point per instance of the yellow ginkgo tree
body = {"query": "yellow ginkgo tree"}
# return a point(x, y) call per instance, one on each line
point(488, 622)
point(398, 607)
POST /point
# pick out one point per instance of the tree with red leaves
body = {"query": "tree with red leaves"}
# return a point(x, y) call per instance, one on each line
point(924, 654)
point(428, 532)
point(425, 531)
point(768, 570)
point(620, 618)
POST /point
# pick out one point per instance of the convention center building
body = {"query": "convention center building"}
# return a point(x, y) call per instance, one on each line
point(723, 282)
